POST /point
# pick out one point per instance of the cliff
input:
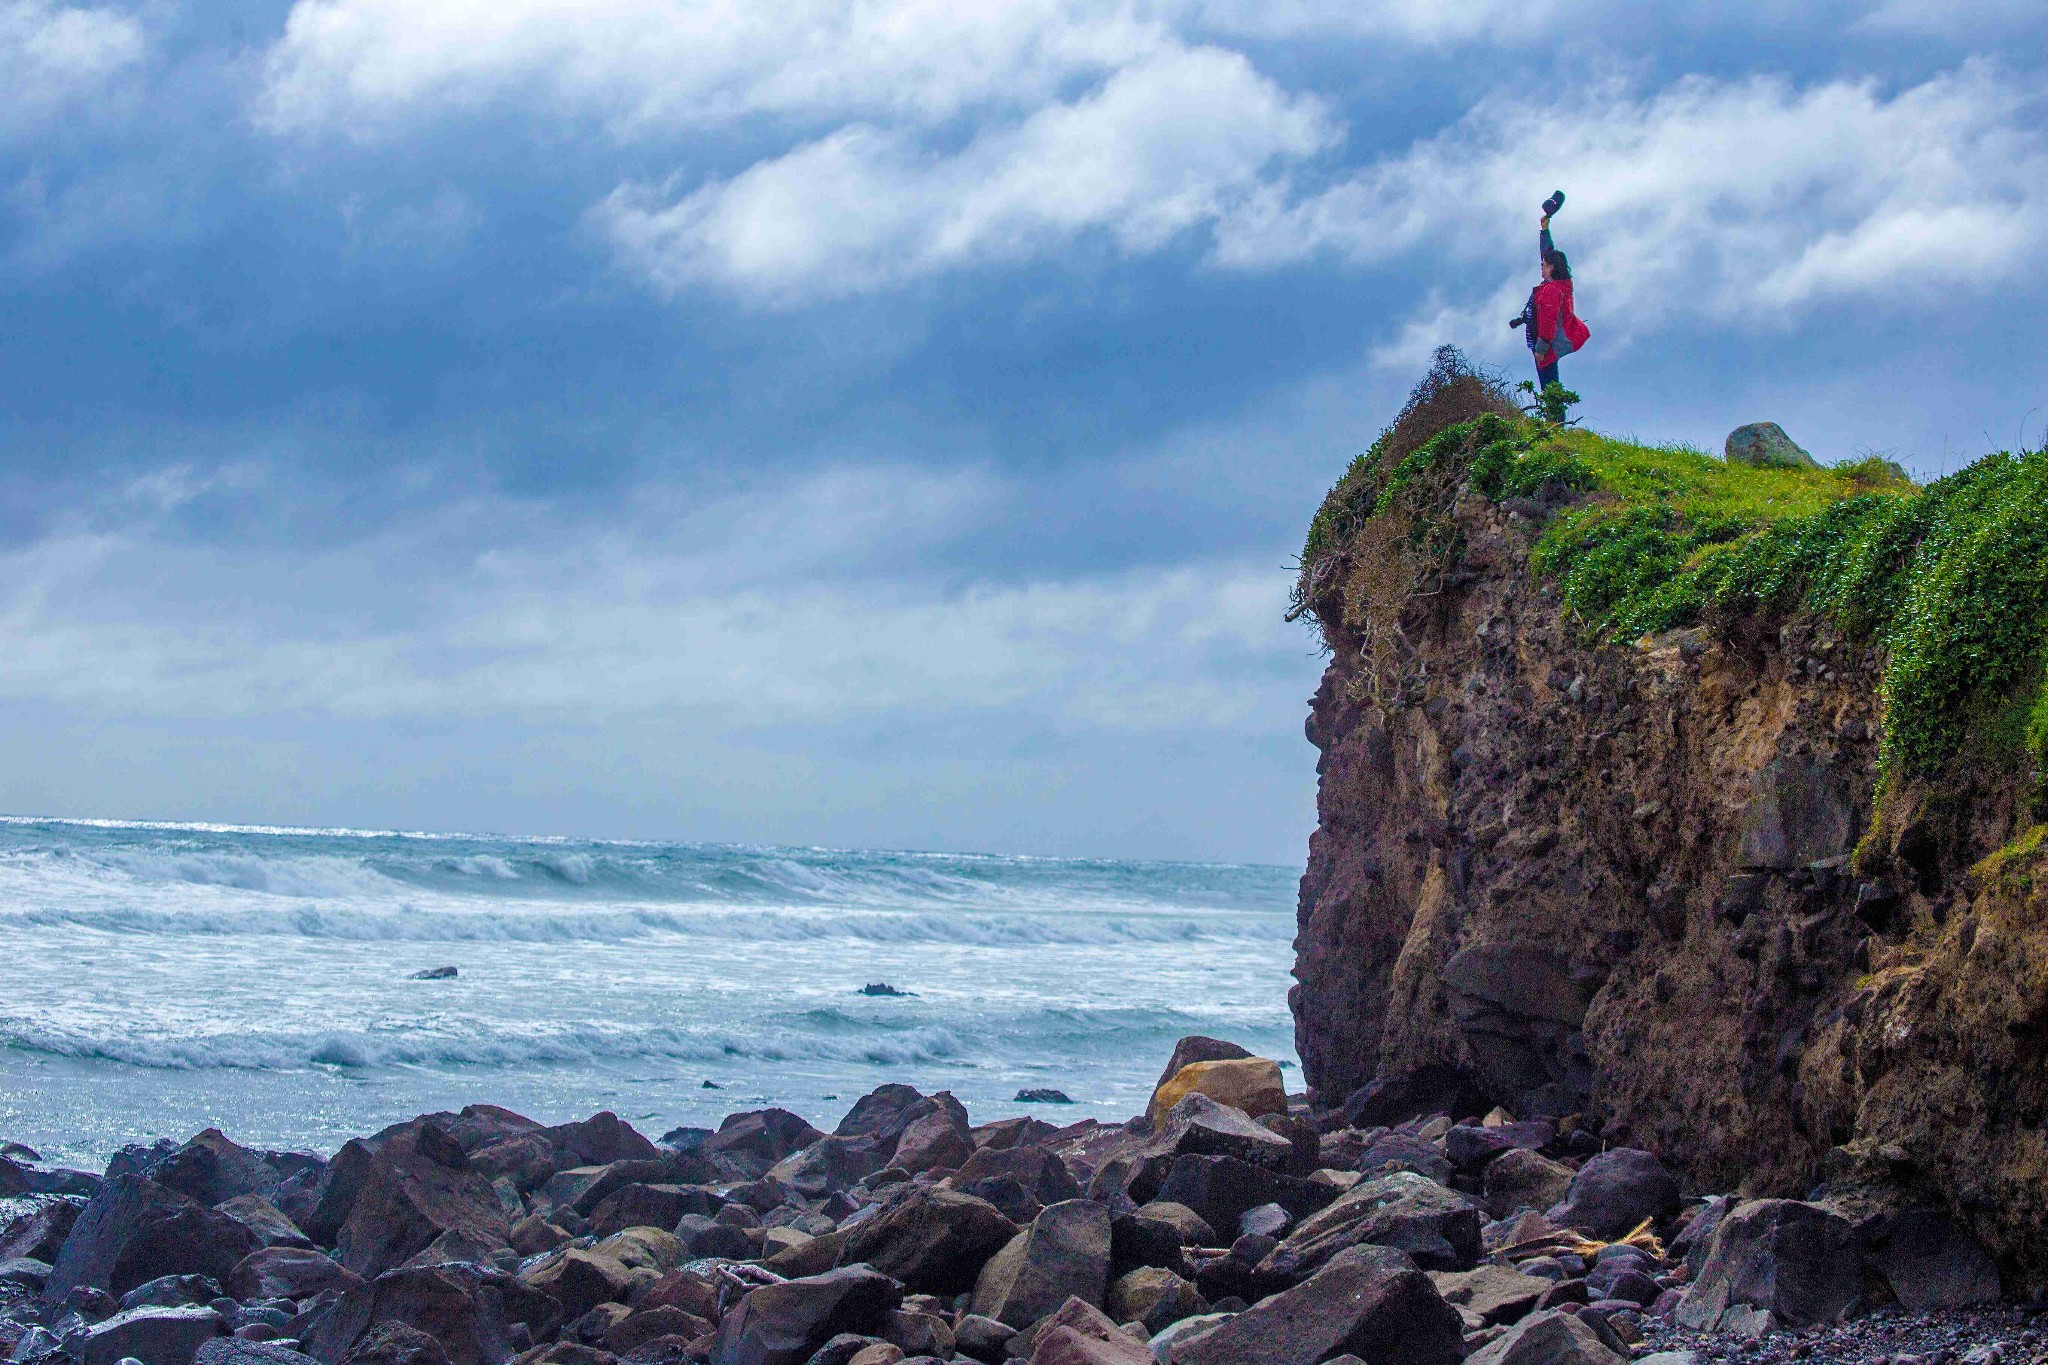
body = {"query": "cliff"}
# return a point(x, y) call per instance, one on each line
point(1695, 800)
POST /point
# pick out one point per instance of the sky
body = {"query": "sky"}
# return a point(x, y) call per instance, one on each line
point(885, 423)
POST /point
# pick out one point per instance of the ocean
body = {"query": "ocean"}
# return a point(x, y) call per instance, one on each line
point(157, 979)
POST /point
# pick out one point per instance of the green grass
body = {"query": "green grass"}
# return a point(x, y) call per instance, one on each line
point(1949, 581)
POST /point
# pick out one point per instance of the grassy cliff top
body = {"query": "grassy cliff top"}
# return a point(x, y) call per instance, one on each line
point(1949, 581)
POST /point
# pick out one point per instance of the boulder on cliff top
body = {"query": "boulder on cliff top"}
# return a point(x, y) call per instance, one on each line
point(1764, 445)
point(1368, 1303)
point(1799, 1262)
point(1252, 1085)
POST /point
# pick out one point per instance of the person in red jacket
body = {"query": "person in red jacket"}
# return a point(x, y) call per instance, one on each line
point(1549, 326)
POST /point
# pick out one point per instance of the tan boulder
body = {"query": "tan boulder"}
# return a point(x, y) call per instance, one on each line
point(1251, 1084)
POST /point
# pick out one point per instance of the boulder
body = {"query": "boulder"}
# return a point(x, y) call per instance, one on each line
point(1522, 1179)
point(1081, 1317)
point(1154, 1296)
point(415, 1187)
point(1221, 1189)
point(1497, 1293)
point(598, 1140)
point(36, 1225)
point(1039, 1171)
point(1548, 1338)
point(648, 1206)
point(1930, 1263)
point(935, 1242)
point(1616, 1191)
point(1196, 1048)
point(526, 1160)
point(980, 1338)
point(1473, 1147)
point(831, 1164)
point(647, 1324)
point(394, 1343)
point(580, 1280)
point(235, 1351)
point(1438, 1227)
point(749, 1145)
point(618, 1175)
point(1764, 445)
point(936, 1141)
point(172, 1291)
point(919, 1333)
point(1201, 1126)
point(135, 1230)
point(470, 1311)
point(1799, 813)
point(288, 1273)
point(1392, 1152)
point(784, 1324)
point(1065, 1346)
point(1023, 1131)
point(1063, 1254)
point(1368, 1305)
point(212, 1170)
point(266, 1220)
point(1251, 1085)
point(1799, 1262)
point(153, 1335)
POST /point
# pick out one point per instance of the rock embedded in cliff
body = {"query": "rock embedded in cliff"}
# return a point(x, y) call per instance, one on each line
point(1799, 1262)
point(1764, 445)
point(1516, 1006)
point(1799, 813)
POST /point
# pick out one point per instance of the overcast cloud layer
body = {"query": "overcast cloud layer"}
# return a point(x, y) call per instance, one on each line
point(890, 422)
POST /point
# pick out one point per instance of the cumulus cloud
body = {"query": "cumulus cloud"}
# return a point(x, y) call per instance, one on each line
point(1162, 146)
point(770, 607)
point(1722, 196)
point(53, 56)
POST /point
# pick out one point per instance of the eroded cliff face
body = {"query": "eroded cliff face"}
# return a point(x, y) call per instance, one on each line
point(1623, 882)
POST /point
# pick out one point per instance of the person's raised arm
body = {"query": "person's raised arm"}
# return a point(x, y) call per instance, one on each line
point(1543, 243)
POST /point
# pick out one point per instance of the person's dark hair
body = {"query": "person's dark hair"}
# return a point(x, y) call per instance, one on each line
point(1559, 264)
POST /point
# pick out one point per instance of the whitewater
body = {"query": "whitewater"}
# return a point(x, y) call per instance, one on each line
point(156, 979)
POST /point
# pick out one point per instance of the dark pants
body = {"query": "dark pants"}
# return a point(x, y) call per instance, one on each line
point(1546, 375)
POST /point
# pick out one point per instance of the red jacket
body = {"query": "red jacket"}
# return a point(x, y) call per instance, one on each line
point(1555, 327)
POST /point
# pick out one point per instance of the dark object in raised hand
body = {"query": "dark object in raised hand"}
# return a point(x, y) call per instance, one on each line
point(1553, 203)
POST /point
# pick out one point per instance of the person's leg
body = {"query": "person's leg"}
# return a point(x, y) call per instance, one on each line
point(1546, 375)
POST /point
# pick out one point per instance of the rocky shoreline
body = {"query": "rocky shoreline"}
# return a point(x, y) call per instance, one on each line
point(1228, 1224)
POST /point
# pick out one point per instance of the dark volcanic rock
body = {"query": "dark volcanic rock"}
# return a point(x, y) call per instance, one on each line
point(1222, 1189)
point(234, 1351)
point(470, 1311)
point(135, 1230)
point(36, 1225)
point(1404, 1152)
point(1063, 1254)
point(935, 1242)
point(1361, 1304)
point(212, 1170)
point(1930, 1263)
point(749, 1145)
point(1525, 1180)
point(1801, 1263)
point(1438, 1227)
point(600, 1140)
point(394, 1343)
point(154, 1335)
point(416, 1187)
point(1549, 1338)
point(288, 1273)
point(1617, 1190)
point(263, 1218)
point(783, 1324)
